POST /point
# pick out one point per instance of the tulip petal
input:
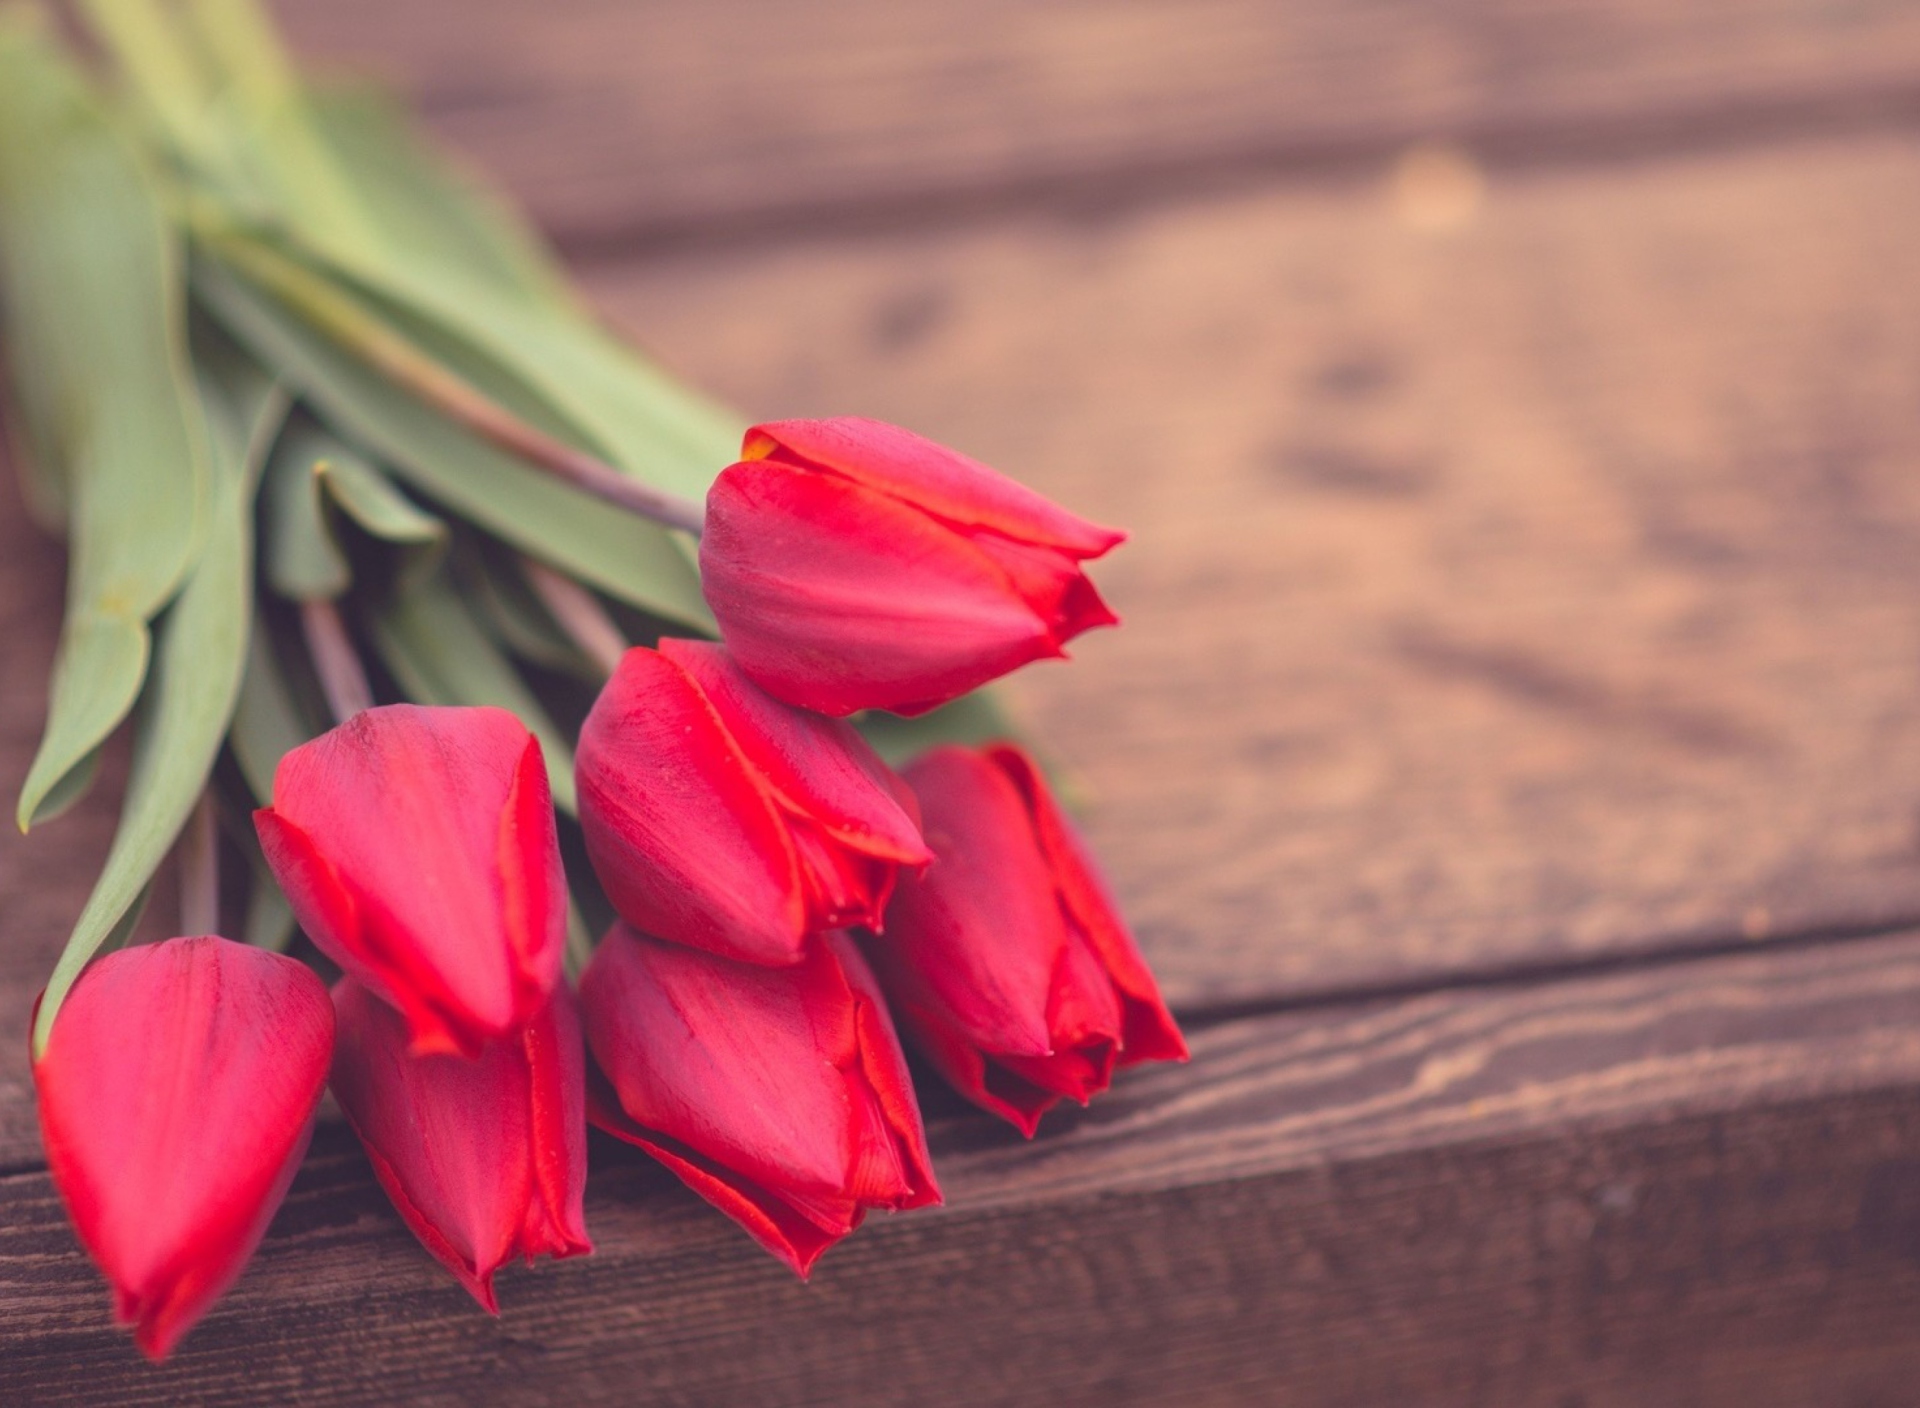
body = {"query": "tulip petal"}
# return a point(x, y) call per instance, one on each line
point(176, 1096)
point(1052, 584)
point(415, 810)
point(556, 1055)
point(331, 917)
point(965, 1067)
point(818, 768)
point(774, 1224)
point(1148, 1031)
point(837, 597)
point(478, 1156)
point(1007, 963)
point(533, 886)
point(779, 1094)
point(978, 938)
point(940, 480)
point(726, 1057)
point(684, 836)
point(884, 1068)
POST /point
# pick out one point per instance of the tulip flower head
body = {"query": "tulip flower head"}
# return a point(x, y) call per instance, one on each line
point(177, 1092)
point(780, 1095)
point(719, 817)
point(418, 849)
point(854, 565)
point(486, 1159)
point(1007, 963)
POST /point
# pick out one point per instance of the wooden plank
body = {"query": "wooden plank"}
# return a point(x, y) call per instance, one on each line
point(621, 121)
point(1532, 586)
point(1693, 1185)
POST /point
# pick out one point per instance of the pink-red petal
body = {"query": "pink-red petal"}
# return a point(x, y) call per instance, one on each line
point(939, 480)
point(176, 1096)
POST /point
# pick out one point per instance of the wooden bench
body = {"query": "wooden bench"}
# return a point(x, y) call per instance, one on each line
point(1511, 760)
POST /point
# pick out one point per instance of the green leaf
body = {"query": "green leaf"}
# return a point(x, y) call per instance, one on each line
point(311, 473)
point(457, 273)
point(164, 74)
point(90, 275)
point(369, 499)
point(626, 557)
point(454, 257)
point(269, 126)
point(497, 589)
point(246, 408)
point(422, 200)
point(439, 654)
point(199, 655)
point(302, 561)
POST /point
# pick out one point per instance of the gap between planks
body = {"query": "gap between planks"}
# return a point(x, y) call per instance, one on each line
point(1201, 1017)
point(1119, 189)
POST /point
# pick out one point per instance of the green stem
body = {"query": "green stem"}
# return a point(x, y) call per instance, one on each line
point(340, 317)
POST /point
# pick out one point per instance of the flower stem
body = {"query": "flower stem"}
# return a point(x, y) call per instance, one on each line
point(342, 677)
point(198, 857)
point(343, 319)
point(578, 612)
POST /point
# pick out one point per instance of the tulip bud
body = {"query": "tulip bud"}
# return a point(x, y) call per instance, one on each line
point(177, 1093)
point(485, 1159)
point(719, 817)
point(1008, 964)
point(780, 1095)
point(418, 848)
point(854, 565)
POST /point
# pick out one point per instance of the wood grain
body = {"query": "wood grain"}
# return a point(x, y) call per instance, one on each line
point(1535, 589)
point(621, 121)
point(1690, 1186)
point(1525, 578)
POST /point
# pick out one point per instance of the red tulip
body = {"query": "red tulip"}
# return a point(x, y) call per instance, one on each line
point(485, 1159)
point(177, 1093)
point(1008, 963)
point(854, 565)
point(417, 846)
point(719, 817)
point(778, 1094)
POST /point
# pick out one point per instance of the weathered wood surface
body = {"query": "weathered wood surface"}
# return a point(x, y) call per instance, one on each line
point(1525, 586)
point(623, 122)
point(1543, 587)
point(1696, 1185)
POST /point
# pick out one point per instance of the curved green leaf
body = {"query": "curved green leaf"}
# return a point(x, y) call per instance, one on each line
point(421, 200)
point(91, 277)
point(501, 597)
point(199, 656)
point(368, 497)
point(630, 559)
point(301, 560)
point(309, 474)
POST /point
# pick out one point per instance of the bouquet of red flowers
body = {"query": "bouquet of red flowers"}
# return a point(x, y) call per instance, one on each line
point(481, 635)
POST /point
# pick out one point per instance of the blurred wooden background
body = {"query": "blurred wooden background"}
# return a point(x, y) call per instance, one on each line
point(1511, 760)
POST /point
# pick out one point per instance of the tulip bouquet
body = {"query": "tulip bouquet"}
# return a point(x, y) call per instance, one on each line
point(474, 635)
